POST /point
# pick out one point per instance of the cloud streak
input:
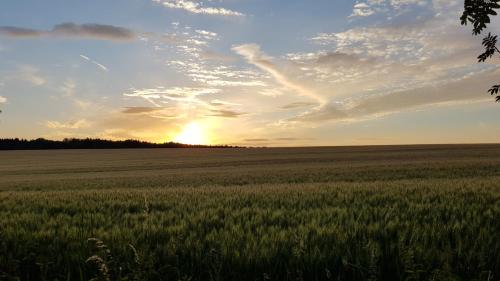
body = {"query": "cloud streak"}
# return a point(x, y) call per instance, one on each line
point(253, 54)
point(462, 90)
point(140, 109)
point(73, 30)
point(180, 102)
point(102, 67)
point(197, 7)
point(225, 113)
point(79, 124)
point(164, 95)
point(298, 104)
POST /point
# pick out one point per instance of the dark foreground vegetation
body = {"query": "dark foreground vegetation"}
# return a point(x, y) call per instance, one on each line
point(359, 213)
point(88, 143)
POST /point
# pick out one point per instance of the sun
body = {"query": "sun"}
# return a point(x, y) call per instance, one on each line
point(192, 133)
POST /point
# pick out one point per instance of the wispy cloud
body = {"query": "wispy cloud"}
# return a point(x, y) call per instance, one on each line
point(222, 103)
point(275, 140)
point(463, 90)
point(388, 68)
point(73, 30)
point(299, 104)
point(196, 61)
point(256, 140)
point(178, 102)
point(78, 124)
point(253, 54)
point(214, 56)
point(187, 93)
point(102, 67)
point(13, 31)
point(161, 95)
point(28, 73)
point(362, 10)
point(366, 8)
point(140, 109)
point(197, 7)
point(271, 92)
point(225, 113)
point(69, 90)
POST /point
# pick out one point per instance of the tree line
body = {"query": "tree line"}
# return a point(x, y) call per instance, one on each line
point(91, 143)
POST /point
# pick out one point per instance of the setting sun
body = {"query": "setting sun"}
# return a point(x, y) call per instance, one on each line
point(192, 133)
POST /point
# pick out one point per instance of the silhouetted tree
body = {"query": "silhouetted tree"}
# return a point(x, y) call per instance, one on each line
point(478, 12)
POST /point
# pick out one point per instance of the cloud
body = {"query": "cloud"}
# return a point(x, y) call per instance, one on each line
point(468, 89)
point(183, 102)
point(68, 88)
point(207, 34)
point(13, 31)
point(389, 42)
point(256, 140)
point(325, 113)
point(79, 124)
point(222, 103)
point(102, 67)
point(271, 92)
point(391, 57)
point(94, 31)
point(140, 109)
point(292, 139)
point(253, 54)
point(72, 30)
point(216, 81)
point(195, 60)
point(220, 108)
point(338, 60)
point(29, 74)
point(210, 55)
point(274, 141)
point(225, 113)
point(162, 95)
point(391, 7)
point(362, 10)
point(299, 104)
point(197, 7)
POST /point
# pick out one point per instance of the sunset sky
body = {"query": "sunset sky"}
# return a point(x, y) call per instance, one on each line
point(246, 72)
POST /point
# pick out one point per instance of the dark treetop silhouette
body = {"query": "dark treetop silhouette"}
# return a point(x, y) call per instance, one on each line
point(478, 13)
point(22, 144)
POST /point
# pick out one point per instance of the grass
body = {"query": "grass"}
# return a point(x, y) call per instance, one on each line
point(354, 213)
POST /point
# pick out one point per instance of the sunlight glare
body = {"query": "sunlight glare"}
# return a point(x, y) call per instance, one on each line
point(192, 133)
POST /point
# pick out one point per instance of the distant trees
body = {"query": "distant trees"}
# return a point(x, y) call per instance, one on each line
point(478, 12)
point(88, 143)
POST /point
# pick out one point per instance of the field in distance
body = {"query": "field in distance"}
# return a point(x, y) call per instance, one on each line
point(327, 213)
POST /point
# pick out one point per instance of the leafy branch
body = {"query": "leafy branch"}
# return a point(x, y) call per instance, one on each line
point(478, 12)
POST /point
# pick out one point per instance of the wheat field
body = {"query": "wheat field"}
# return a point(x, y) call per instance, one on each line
point(346, 213)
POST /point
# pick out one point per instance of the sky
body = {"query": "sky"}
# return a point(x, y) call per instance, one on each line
point(245, 72)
